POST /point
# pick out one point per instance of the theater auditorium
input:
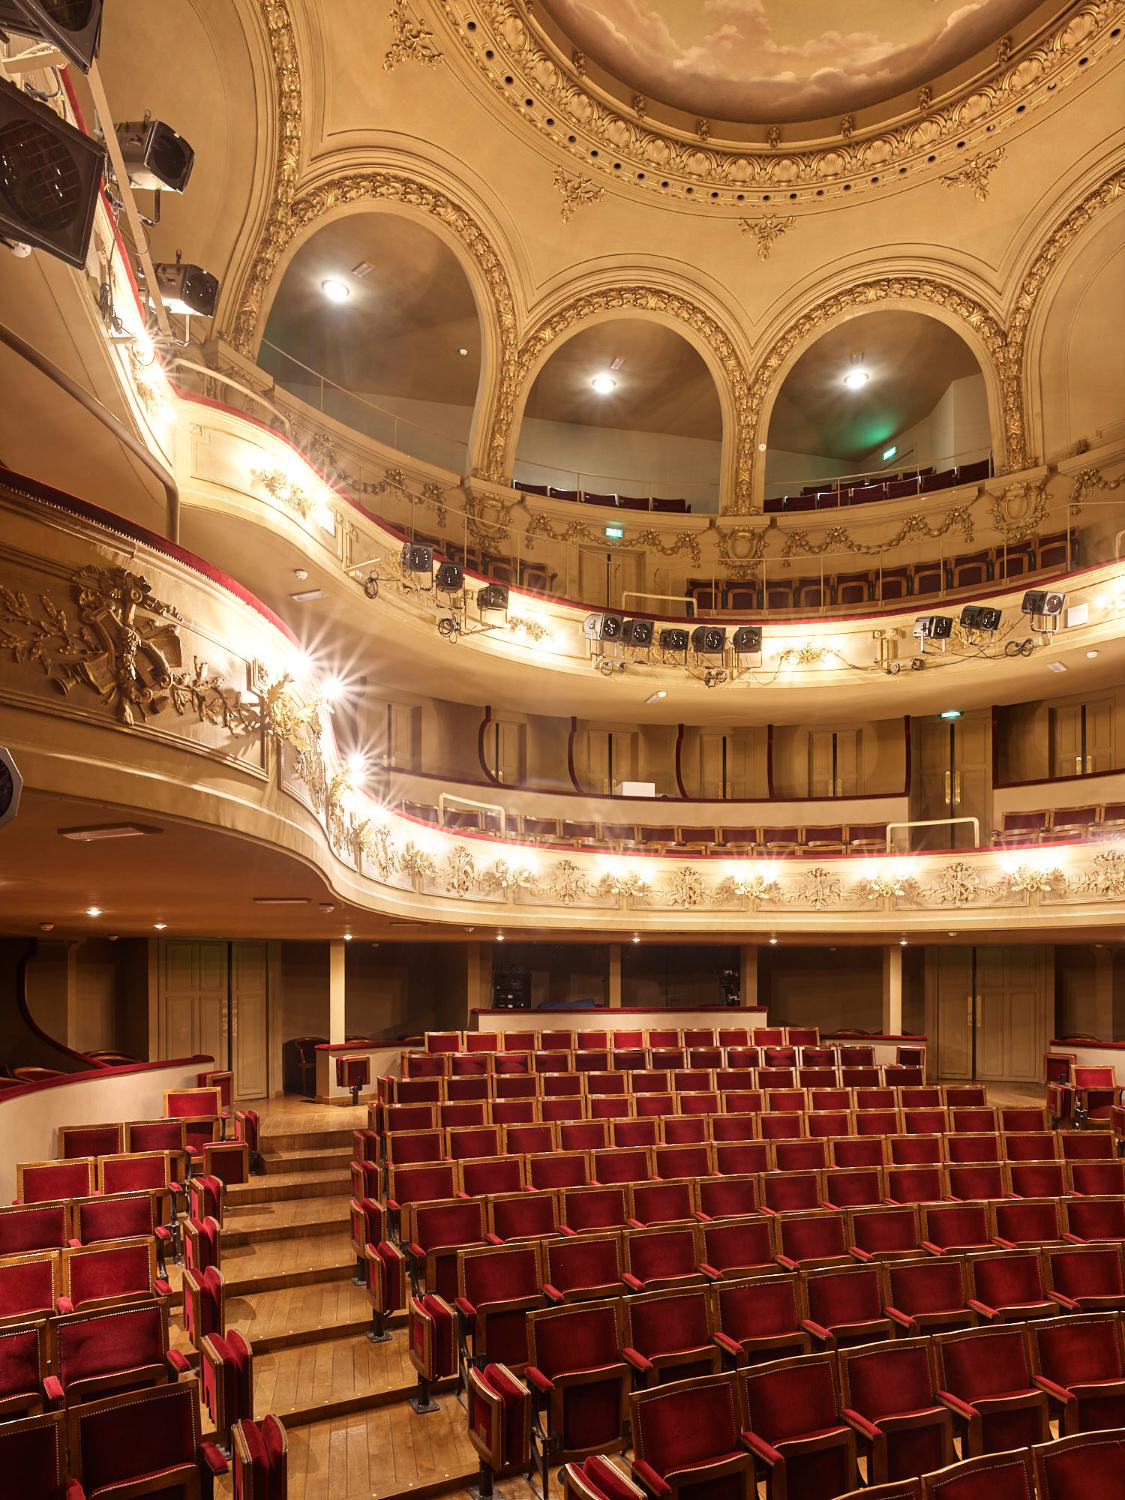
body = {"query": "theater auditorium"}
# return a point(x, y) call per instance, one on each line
point(562, 750)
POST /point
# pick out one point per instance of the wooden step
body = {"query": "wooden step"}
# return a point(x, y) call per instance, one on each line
point(297, 1140)
point(313, 1159)
point(288, 1185)
point(235, 1234)
point(302, 1384)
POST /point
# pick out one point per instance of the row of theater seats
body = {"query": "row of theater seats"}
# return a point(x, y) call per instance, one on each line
point(864, 1419)
point(1062, 825)
point(630, 1039)
point(963, 573)
point(889, 486)
point(617, 502)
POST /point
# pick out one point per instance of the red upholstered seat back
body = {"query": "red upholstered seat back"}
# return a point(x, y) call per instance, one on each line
point(472, 1141)
point(432, 1342)
point(503, 1174)
point(957, 1225)
point(144, 1432)
point(422, 1184)
point(41, 1226)
point(1085, 1468)
point(636, 1133)
point(853, 1188)
point(21, 1363)
point(1037, 1179)
point(1093, 1177)
point(1028, 1220)
point(740, 1158)
point(583, 1337)
point(182, 1104)
point(874, 1098)
point(1030, 1145)
point(828, 1123)
point(661, 1202)
point(686, 1130)
point(721, 1197)
point(41, 1181)
point(583, 1261)
point(986, 1363)
point(155, 1135)
point(661, 1253)
point(682, 1161)
point(408, 1117)
point(110, 1271)
point(1008, 1279)
point(558, 1170)
point(858, 1151)
point(839, 1297)
point(745, 1242)
point(1073, 1351)
point(96, 1344)
point(228, 1161)
point(664, 1324)
point(621, 1166)
point(114, 1217)
point(885, 1380)
point(789, 1399)
point(812, 1236)
point(1090, 1076)
point(683, 1427)
point(488, 1276)
point(524, 1215)
point(1091, 1271)
point(926, 1286)
point(876, 1121)
point(915, 1184)
point(974, 1148)
point(745, 1105)
point(583, 1135)
point(595, 1208)
point(978, 1180)
point(454, 1223)
point(89, 1140)
point(27, 1284)
point(605, 1479)
point(800, 1156)
point(1096, 1218)
point(133, 1171)
point(33, 1458)
point(760, 1308)
point(367, 1221)
point(880, 1230)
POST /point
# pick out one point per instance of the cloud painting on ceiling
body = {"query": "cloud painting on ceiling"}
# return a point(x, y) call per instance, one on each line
point(781, 59)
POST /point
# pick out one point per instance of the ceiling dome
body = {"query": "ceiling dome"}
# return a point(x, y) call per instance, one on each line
point(778, 60)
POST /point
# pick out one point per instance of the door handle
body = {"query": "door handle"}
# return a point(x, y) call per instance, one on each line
point(957, 789)
point(947, 781)
point(1089, 764)
point(1078, 764)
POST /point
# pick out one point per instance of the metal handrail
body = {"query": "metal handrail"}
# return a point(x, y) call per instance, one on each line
point(447, 798)
point(934, 823)
point(190, 364)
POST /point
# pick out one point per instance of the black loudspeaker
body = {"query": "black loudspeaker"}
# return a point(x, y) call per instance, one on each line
point(709, 640)
point(980, 617)
point(603, 627)
point(417, 557)
point(50, 176)
point(74, 26)
point(450, 577)
point(933, 627)
point(674, 639)
point(186, 289)
point(512, 990)
point(637, 633)
point(156, 157)
point(493, 596)
point(1043, 602)
point(747, 640)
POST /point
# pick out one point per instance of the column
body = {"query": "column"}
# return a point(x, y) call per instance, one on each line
point(748, 978)
point(337, 992)
point(892, 990)
point(478, 979)
point(615, 976)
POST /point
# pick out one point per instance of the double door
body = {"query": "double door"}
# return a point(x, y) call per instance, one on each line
point(988, 1011)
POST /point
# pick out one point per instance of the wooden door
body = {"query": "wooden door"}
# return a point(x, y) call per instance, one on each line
point(1013, 1015)
point(250, 1019)
point(1066, 740)
point(1099, 737)
point(714, 751)
point(192, 1006)
point(972, 776)
point(949, 1011)
point(932, 792)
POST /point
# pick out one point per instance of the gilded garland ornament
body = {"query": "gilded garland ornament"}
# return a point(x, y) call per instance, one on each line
point(977, 173)
point(412, 41)
point(917, 524)
point(576, 192)
point(766, 231)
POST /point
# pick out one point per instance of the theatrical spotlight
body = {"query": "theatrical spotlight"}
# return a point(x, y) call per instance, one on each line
point(931, 628)
point(186, 289)
point(674, 639)
point(50, 177)
point(747, 641)
point(74, 28)
point(493, 596)
point(980, 619)
point(156, 158)
point(637, 633)
point(603, 627)
point(449, 578)
point(1044, 606)
point(709, 640)
point(418, 557)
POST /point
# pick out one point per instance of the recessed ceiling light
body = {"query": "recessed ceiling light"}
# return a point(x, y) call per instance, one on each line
point(347, 937)
point(335, 289)
point(160, 926)
point(1056, 666)
point(94, 833)
point(306, 596)
point(761, 447)
point(604, 384)
point(902, 942)
point(332, 688)
point(657, 697)
point(499, 937)
point(636, 937)
point(300, 574)
point(1091, 655)
point(462, 352)
point(93, 911)
point(856, 379)
point(773, 942)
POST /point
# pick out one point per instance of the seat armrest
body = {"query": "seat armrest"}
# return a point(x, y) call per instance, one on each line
point(727, 1344)
point(415, 1249)
point(650, 1479)
point(1073, 1239)
point(540, 1381)
point(632, 1282)
point(552, 1293)
point(635, 1224)
point(164, 1288)
point(465, 1307)
point(74, 1244)
point(710, 1271)
point(863, 1255)
point(702, 1217)
point(761, 1448)
point(822, 1333)
point(637, 1360)
point(982, 1308)
point(64, 1305)
point(493, 1239)
point(394, 1205)
point(860, 1423)
point(177, 1363)
point(1064, 1301)
point(931, 1248)
point(901, 1318)
point(55, 1393)
point(1060, 1393)
point(962, 1408)
point(213, 1458)
point(785, 1262)
point(74, 1490)
point(998, 1239)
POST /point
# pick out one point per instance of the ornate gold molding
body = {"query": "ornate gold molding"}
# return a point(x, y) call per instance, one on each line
point(411, 40)
point(766, 230)
point(576, 192)
point(977, 173)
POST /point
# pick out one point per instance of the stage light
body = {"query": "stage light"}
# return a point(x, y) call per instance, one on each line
point(636, 937)
point(356, 765)
point(603, 627)
point(50, 178)
point(637, 633)
point(747, 640)
point(493, 596)
point(186, 289)
point(417, 557)
point(982, 618)
point(73, 28)
point(773, 941)
point(673, 639)
point(332, 689)
point(709, 640)
point(1047, 604)
point(156, 157)
point(604, 384)
point(933, 627)
point(160, 926)
point(450, 577)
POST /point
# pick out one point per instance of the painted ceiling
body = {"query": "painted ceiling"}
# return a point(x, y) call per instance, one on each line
point(781, 59)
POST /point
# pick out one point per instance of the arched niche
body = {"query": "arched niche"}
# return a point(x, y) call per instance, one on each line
point(661, 431)
point(926, 396)
point(387, 360)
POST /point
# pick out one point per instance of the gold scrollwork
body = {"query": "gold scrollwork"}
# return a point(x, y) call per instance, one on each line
point(840, 539)
point(411, 40)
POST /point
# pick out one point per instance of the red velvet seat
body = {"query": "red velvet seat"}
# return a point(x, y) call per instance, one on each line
point(432, 1347)
point(515, 1112)
point(603, 1080)
point(463, 1113)
point(1080, 1363)
point(738, 1123)
point(583, 1267)
point(672, 1202)
point(1030, 1145)
point(496, 1288)
point(604, 1106)
point(891, 1401)
point(986, 1380)
point(956, 1228)
point(669, 1336)
point(408, 1187)
point(1087, 1466)
point(858, 1151)
point(43, 1181)
point(1008, 1286)
point(625, 1133)
point(683, 1161)
point(33, 1226)
point(791, 1192)
point(33, 1457)
point(522, 1216)
point(725, 1197)
point(434, 1234)
point(739, 1158)
point(203, 1304)
point(737, 1247)
point(796, 1428)
point(915, 1184)
point(973, 1148)
point(259, 1460)
point(367, 1219)
point(119, 1216)
point(492, 1174)
point(916, 1150)
point(1096, 1091)
point(873, 1097)
point(203, 1244)
point(151, 1434)
point(23, 1371)
point(226, 1370)
point(860, 1077)
point(583, 1135)
point(800, 1155)
point(686, 1439)
point(1037, 1179)
point(414, 1148)
point(597, 1479)
point(588, 1208)
point(1092, 1219)
point(925, 1121)
point(558, 1170)
point(1086, 1278)
point(876, 1121)
point(1087, 1145)
point(929, 1294)
point(110, 1272)
point(853, 1187)
point(686, 1130)
point(90, 1140)
point(527, 1138)
point(562, 1085)
point(384, 1281)
point(884, 1233)
point(845, 1306)
point(808, 1240)
point(116, 1349)
point(578, 1377)
point(829, 1122)
point(990, 1476)
point(662, 1258)
point(1027, 1221)
point(964, 1095)
point(1095, 1178)
point(1017, 1117)
point(467, 1142)
point(760, 1319)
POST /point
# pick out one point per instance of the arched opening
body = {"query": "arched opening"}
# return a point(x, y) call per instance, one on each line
point(375, 324)
point(626, 412)
point(882, 406)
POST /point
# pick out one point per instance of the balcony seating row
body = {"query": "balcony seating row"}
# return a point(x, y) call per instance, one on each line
point(652, 503)
point(1061, 825)
point(567, 1039)
point(1037, 556)
point(889, 486)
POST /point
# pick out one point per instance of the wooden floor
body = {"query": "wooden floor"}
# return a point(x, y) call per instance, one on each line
point(289, 1264)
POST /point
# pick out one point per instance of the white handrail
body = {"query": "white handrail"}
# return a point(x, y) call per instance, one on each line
point(935, 823)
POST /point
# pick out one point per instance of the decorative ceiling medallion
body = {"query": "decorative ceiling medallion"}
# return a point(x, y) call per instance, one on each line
point(576, 192)
point(766, 230)
point(506, 43)
point(977, 173)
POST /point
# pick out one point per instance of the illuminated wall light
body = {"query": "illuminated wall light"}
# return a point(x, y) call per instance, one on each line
point(347, 937)
point(636, 937)
point(615, 533)
point(93, 911)
point(160, 926)
point(950, 713)
point(902, 942)
point(356, 766)
point(333, 689)
point(499, 937)
point(773, 940)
